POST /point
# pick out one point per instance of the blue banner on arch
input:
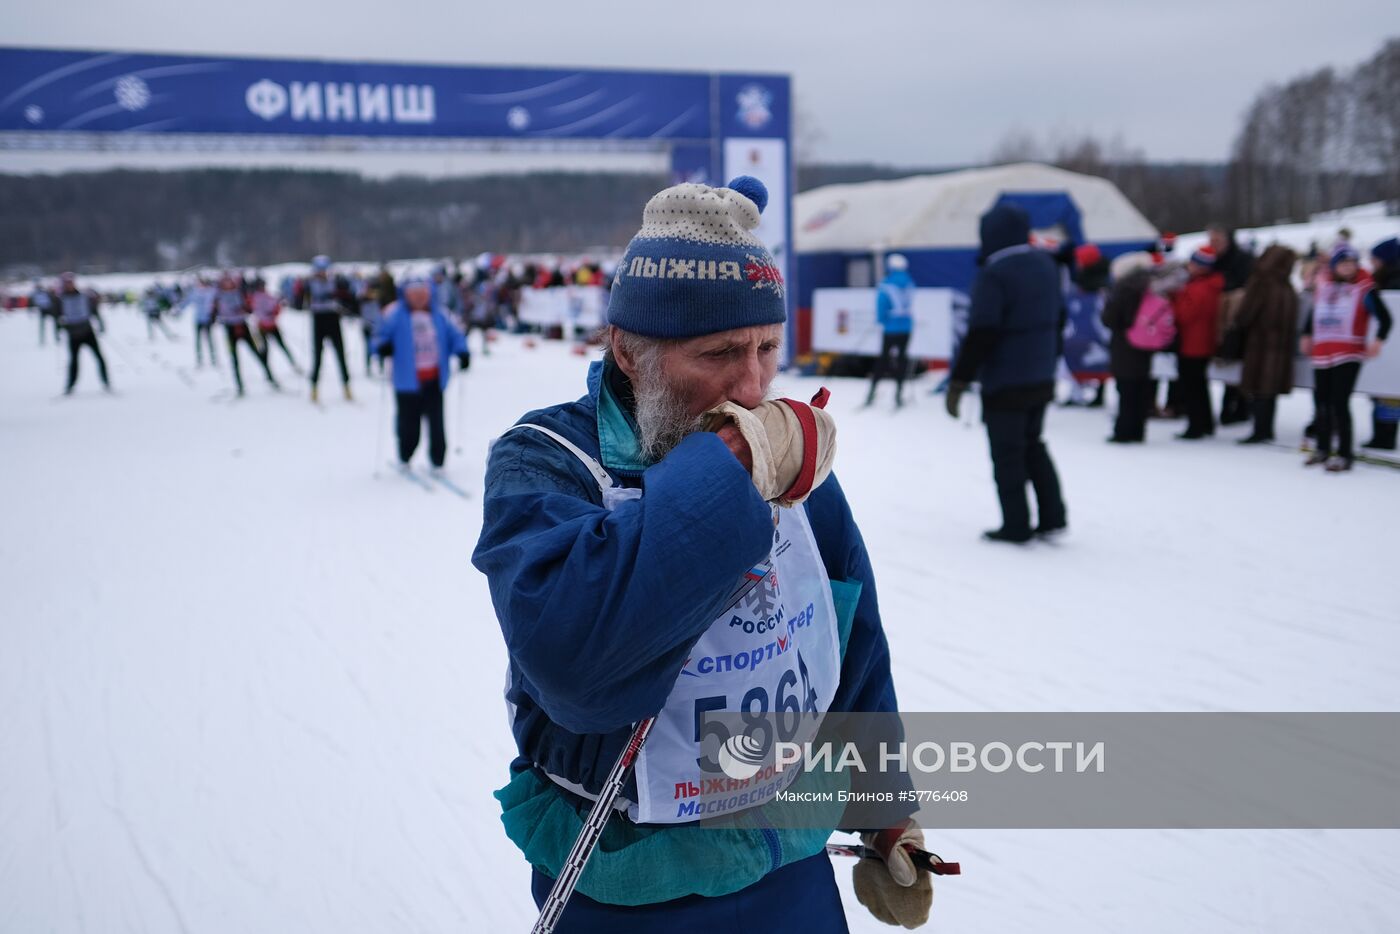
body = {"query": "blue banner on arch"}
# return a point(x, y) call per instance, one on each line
point(49, 90)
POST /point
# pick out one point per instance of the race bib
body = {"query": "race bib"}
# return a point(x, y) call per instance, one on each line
point(1334, 316)
point(773, 656)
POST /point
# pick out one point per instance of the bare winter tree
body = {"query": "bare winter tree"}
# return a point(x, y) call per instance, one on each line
point(1377, 116)
point(1322, 141)
point(1018, 145)
point(1180, 197)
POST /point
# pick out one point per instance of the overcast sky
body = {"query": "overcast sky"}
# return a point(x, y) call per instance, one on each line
point(909, 82)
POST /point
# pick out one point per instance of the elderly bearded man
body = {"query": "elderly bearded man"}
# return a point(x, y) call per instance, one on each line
point(617, 531)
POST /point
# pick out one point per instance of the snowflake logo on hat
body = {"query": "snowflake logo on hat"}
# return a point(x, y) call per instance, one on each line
point(755, 106)
point(763, 274)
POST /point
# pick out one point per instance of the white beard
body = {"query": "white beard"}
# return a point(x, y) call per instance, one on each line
point(663, 415)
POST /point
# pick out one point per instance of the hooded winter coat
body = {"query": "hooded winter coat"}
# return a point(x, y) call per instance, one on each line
point(1268, 321)
point(1013, 337)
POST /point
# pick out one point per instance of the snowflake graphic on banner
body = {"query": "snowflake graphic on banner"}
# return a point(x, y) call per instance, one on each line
point(34, 113)
point(132, 93)
point(518, 118)
point(755, 106)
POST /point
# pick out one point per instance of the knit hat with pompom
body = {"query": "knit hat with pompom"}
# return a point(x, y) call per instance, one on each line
point(696, 267)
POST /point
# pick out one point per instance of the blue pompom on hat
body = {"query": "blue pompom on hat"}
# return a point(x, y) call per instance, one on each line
point(696, 267)
point(751, 188)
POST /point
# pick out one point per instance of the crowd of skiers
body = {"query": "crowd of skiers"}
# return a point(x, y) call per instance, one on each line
point(419, 323)
point(1222, 305)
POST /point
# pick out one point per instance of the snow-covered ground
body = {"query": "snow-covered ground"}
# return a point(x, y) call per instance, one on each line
point(249, 681)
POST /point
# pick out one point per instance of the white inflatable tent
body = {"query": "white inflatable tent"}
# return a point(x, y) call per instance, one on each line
point(843, 232)
point(933, 219)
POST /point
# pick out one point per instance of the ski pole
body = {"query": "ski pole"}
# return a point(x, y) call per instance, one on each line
point(922, 858)
point(592, 829)
point(457, 416)
point(379, 425)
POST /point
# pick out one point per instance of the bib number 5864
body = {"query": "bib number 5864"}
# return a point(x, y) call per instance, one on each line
point(790, 701)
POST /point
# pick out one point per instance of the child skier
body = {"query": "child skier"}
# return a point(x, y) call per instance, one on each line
point(1334, 335)
point(421, 340)
point(231, 310)
point(266, 308)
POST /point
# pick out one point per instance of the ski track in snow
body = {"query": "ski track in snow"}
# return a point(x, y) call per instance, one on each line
point(247, 686)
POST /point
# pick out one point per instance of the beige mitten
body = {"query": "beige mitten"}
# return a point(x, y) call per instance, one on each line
point(792, 450)
point(894, 890)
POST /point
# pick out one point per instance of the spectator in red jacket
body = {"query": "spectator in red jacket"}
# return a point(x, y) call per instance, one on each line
point(1197, 308)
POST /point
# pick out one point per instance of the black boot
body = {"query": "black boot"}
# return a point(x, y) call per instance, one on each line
point(1010, 536)
point(1263, 421)
point(1382, 435)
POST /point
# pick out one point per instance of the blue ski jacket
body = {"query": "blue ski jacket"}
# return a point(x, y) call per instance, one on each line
point(894, 303)
point(599, 609)
point(396, 330)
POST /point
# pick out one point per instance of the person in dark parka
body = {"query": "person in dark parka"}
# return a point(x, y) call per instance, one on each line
point(1267, 325)
point(1131, 367)
point(1012, 344)
point(1234, 263)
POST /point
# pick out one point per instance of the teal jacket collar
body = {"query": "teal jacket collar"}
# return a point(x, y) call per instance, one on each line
point(619, 444)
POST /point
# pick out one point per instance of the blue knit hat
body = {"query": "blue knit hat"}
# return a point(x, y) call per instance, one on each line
point(1343, 252)
point(696, 266)
point(1387, 251)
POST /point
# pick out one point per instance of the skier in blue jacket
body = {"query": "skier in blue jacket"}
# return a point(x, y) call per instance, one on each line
point(422, 342)
point(894, 309)
point(615, 530)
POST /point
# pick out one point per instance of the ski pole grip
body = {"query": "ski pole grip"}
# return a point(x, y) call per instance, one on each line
point(926, 860)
